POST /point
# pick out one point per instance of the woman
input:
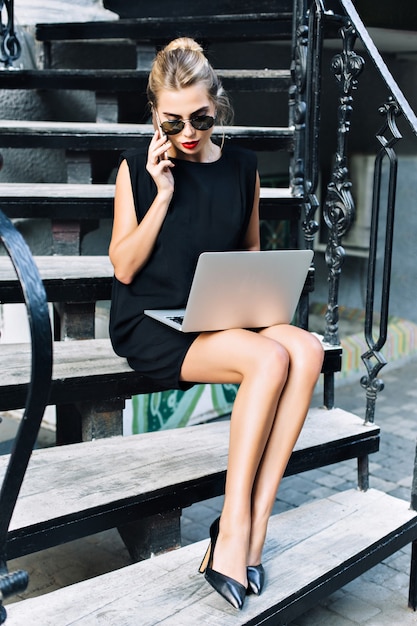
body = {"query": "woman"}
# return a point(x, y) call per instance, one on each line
point(184, 196)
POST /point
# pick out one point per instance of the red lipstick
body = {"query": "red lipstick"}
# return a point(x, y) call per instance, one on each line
point(189, 145)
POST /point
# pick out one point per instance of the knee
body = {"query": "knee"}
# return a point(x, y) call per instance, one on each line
point(313, 354)
point(273, 362)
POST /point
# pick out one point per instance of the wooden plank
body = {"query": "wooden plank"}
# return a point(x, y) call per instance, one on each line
point(69, 490)
point(82, 371)
point(126, 8)
point(66, 201)
point(71, 278)
point(308, 550)
point(250, 27)
point(135, 81)
point(66, 278)
point(111, 136)
point(71, 191)
point(85, 370)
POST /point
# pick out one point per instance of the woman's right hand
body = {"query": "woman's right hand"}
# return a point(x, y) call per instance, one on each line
point(158, 164)
point(132, 243)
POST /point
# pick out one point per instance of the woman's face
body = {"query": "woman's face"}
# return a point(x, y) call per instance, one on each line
point(185, 104)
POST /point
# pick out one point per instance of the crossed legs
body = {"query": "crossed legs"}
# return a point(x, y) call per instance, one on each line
point(276, 370)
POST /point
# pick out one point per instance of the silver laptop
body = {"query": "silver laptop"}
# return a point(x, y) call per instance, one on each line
point(241, 290)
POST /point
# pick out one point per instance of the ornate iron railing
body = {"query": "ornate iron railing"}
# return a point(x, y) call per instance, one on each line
point(304, 117)
point(37, 398)
point(312, 16)
point(9, 44)
point(339, 208)
point(388, 135)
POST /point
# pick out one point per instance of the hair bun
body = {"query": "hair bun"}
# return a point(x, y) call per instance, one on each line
point(184, 43)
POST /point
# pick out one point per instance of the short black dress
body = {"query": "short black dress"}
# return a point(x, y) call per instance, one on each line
point(209, 211)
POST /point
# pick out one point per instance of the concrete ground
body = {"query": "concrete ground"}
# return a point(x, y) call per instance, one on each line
point(377, 598)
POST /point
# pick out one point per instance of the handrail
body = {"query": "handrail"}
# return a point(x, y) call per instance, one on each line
point(37, 399)
point(339, 207)
point(380, 64)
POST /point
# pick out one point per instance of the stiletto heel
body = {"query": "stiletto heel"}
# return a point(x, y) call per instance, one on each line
point(229, 588)
point(205, 560)
point(256, 578)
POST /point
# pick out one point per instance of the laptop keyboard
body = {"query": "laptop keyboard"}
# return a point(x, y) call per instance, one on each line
point(177, 318)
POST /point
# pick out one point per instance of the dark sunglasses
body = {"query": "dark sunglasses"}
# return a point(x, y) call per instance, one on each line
point(199, 122)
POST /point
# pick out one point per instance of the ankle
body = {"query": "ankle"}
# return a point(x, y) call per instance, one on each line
point(256, 541)
point(235, 525)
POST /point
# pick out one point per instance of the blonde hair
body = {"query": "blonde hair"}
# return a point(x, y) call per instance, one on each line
point(182, 63)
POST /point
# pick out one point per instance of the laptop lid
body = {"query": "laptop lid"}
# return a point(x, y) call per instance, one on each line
point(242, 290)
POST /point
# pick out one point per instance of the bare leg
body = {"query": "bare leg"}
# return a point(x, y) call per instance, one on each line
point(260, 365)
point(306, 358)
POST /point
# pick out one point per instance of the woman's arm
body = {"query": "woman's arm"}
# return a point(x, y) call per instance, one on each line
point(132, 243)
point(252, 237)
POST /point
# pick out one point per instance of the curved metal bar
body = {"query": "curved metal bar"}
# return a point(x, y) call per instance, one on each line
point(10, 46)
point(373, 359)
point(38, 393)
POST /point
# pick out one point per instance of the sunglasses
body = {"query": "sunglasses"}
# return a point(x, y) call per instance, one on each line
point(199, 122)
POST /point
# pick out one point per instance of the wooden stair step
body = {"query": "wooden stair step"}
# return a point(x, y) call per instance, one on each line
point(257, 26)
point(86, 370)
point(113, 136)
point(65, 278)
point(310, 552)
point(134, 81)
point(72, 278)
point(67, 201)
point(70, 491)
point(163, 8)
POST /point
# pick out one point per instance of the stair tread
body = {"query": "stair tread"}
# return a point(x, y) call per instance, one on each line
point(72, 360)
point(181, 7)
point(133, 80)
point(53, 191)
point(66, 278)
point(83, 367)
point(105, 128)
point(66, 201)
point(115, 136)
point(239, 27)
point(68, 477)
point(306, 548)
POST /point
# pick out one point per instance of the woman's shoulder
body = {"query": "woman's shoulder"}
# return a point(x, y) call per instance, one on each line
point(134, 156)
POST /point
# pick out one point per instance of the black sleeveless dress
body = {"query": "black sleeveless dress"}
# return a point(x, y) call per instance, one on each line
point(209, 211)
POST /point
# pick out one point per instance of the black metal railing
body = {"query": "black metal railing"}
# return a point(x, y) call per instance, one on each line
point(10, 47)
point(339, 208)
point(37, 398)
point(304, 117)
point(387, 136)
point(340, 17)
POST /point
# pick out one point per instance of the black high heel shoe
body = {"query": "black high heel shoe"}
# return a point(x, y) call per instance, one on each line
point(256, 578)
point(229, 588)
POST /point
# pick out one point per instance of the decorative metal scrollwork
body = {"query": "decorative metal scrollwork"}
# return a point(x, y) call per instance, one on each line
point(374, 361)
point(339, 209)
point(297, 102)
point(304, 110)
point(10, 47)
